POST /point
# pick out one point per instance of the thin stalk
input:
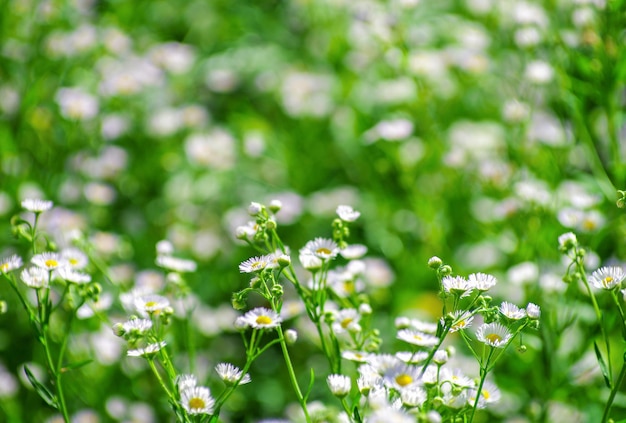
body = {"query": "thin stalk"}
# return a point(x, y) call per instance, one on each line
point(292, 374)
point(484, 369)
point(596, 308)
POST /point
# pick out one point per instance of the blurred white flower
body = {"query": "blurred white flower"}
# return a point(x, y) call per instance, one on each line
point(174, 57)
point(76, 103)
point(539, 72)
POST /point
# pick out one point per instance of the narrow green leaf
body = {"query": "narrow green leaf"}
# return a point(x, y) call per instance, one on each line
point(603, 367)
point(310, 388)
point(43, 392)
point(357, 416)
point(77, 365)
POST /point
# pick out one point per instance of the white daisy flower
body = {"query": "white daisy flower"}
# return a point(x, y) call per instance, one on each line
point(368, 381)
point(416, 337)
point(353, 251)
point(607, 277)
point(462, 320)
point(262, 318)
point(255, 264)
point(457, 285)
point(197, 400)
point(347, 213)
point(186, 381)
point(356, 356)
point(48, 261)
point(11, 263)
point(493, 334)
point(482, 281)
point(231, 374)
point(322, 248)
point(35, 277)
point(75, 258)
point(137, 326)
point(489, 393)
point(511, 311)
point(150, 304)
point(36, 206)
point(346, 320)
point(402, 376)
point(457, 378)
point(533, 311)
point(73, 276)
point(175, 264)
point(310, 261)
point(148, 350)
point(413, 396)
point(339, 385)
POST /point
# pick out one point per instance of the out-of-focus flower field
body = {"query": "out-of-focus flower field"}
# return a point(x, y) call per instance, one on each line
point(477, 131)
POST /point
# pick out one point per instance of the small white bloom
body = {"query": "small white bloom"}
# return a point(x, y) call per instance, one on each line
point(462, 320)
point(482, 281)
point(231, 374)
point(255, 264)
point(176, 264)
point(262, 318)
point(346, 320)
point(322, 248)
point(10, 263)
point(75, 258)
point(339, 385)
point(607, 277)
point(151, 304)
point(413, 396)
point(457, 285)
point(291, 336)
point(137, 326)
point(533, 311)
point(512, 311)
point(353, 251)
point(197, 400)
point(493, 334)
point(415, 337)
point(185, 381)
point(35, 277)
point(36, 206)
point(164, 248)
point(347, 213)
point(73, 276)
point(146, 351)
point(48, 261)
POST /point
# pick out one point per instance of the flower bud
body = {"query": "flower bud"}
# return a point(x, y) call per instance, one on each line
point(255, 208)
point(435, 262)
point(291, 336)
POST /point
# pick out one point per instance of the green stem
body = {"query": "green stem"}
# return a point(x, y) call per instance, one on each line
point(614, 389)
point(596, 308)
point(292, 374)
point(483, 375)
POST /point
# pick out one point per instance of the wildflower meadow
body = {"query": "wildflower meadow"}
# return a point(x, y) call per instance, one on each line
point(313, 211)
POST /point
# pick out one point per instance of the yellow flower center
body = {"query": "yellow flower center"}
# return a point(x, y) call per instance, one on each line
point(493, 338)
point(589, 224)
point(486, 394)
point(346, 322)
point(323, 250)
point(607, 281)
point(256, 264)
point(403, 379)
point(460, 324)
point(51, 263)
point(4, 267)
point(264, 320)
point(73, 261)
point(197, 403)
point(417, 337)
point(349, 286)
point(151, 304)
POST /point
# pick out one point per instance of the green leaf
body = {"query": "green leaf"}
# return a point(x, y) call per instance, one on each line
point(77, 365)
point(43, 392)
point(310, 387)
point(357, 417)
point(603, 367)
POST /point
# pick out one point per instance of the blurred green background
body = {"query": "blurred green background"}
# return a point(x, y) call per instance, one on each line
point(477, 131)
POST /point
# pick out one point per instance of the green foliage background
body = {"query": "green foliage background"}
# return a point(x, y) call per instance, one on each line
point(417, 196)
